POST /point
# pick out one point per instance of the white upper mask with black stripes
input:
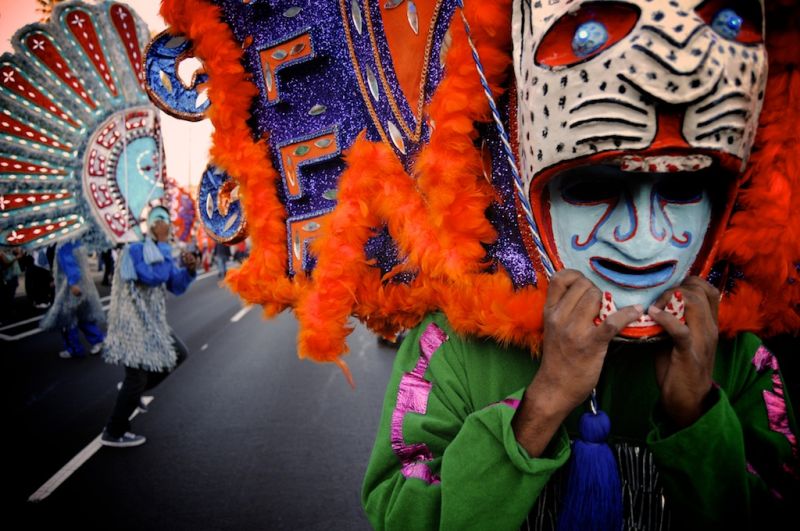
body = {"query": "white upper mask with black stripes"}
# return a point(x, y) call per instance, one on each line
point(592, 76)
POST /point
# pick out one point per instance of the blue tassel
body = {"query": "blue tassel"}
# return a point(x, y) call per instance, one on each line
point(151, 252)
point(593, 499)
point(127, 270)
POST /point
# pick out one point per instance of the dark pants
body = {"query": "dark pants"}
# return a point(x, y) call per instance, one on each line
point(107, 260)
point(38, 284)
point(8, 290)
point(136, 382)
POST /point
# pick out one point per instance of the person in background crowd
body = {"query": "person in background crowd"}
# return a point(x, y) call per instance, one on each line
point(77, 304)
point(9, 280)
point(44, 259)
point(222, 253)
point(107, 259)
point(241, 251)
point(50, 255)
point(38, 280)
point(193, 248)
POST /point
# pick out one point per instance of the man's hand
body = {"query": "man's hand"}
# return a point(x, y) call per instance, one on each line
point(684, 372)
point(189, 261)
point(75, 290)
point(573, 352)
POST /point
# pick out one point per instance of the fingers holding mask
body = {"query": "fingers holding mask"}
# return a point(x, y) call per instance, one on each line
point(701, 308)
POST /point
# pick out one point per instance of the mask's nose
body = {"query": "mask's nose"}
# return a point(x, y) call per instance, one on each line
point(636, 228)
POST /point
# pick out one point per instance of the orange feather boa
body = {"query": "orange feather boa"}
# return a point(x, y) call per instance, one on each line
point(438, 217)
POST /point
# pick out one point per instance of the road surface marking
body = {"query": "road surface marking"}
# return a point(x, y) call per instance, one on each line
point(75, 463)
point(39, 317)
point(34, 331)
point(205, 275)
point(241, 313)
point(28, 333)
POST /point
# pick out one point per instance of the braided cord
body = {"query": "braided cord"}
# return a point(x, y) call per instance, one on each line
point(547, 265)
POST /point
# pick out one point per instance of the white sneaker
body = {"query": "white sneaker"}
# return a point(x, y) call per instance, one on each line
point(66, 355)
point(96, 348)
point(127, 440)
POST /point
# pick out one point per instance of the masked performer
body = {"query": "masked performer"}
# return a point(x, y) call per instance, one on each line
point(582, 235)
point(81, 161)
point(139, 336)
point(76, 304)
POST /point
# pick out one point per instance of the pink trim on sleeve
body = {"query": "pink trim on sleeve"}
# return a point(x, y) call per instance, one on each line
point(412, 397)
point(764, 359)
point(751, 470)
point(513, 403)
point(775, 402)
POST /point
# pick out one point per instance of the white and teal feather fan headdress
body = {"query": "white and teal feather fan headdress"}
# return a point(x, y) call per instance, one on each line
point(81, 154)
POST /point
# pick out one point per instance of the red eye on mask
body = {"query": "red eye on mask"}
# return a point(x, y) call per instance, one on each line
point(578, 36)
point(734, 20)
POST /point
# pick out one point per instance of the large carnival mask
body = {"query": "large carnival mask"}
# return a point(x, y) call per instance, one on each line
point(633, 234)
point(636, 119)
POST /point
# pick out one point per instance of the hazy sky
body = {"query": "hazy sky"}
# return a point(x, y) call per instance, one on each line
point(186, 143)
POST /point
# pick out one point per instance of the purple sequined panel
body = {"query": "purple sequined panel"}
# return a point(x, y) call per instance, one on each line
point(509, 249)
point(724, 272)
point(306, 58)
point(324, 80)
point(382, 250)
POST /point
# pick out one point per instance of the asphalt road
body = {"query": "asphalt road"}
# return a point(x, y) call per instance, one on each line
point(243, 435)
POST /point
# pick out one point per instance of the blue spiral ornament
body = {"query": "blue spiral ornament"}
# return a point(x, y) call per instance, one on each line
point(165, 87)
point(220, 207)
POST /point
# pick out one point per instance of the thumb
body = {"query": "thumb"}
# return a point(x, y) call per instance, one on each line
point(618, 320)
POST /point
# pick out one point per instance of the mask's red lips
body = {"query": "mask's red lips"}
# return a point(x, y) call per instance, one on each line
point(635, 277)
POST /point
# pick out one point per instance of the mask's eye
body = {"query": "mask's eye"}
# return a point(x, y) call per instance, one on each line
point(680, 190)
point(578, 36)
point(735, 20)
point(592, 192)
point(727, 23)
point(589, 37)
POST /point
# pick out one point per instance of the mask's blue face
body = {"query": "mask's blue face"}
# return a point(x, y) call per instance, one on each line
point(137, 172)
point(631, 234)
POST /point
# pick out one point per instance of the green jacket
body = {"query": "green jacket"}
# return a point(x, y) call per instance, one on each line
point(446, 457)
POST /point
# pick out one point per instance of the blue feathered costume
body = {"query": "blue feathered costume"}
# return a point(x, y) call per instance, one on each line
point(71, 312)
point(139, 335)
